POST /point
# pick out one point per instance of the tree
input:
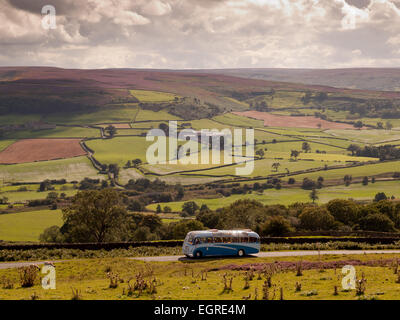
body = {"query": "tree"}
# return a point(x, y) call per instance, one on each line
point(353, 148)
point(380, 196)
point(276, 166)
point(314, 195)
point(365, 181)
point(389, 125)
point(167, 209)
point(190, 207)
point(114, 169)
point(159, 209)
point(315, 219)
point(95, 216)
point(260, 153)
point(204, 208)
point(344, 211)
point(295, 154)
point(180, 194)
point(111, 131)
point(52, 235)
point(136, 163)
point(377, 222)
point(358, 124)
point(306, 147)
point(379, 125)
point(347, 180)
point(180, 229)
point(164, 127)
point(276, 226)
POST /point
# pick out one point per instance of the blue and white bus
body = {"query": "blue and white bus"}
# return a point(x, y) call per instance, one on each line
point(199, 244)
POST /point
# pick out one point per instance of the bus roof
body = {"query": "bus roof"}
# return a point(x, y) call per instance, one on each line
point(214, 232)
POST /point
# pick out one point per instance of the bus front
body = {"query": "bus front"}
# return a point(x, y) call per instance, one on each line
point(188, 245)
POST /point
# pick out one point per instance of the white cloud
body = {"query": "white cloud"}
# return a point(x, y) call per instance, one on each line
point(203, 34)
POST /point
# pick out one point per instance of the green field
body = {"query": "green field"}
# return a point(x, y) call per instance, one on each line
point(108, 114)
point(59, 132)
point(69, 169)
point(148, 115)
point(120, 149)
point(27, 226)
point(152, 96)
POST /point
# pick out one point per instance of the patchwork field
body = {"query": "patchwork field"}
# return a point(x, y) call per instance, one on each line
point(27, 226)
point(293, 122)
point(152, 96)
point(74, 169)
point(32, 150)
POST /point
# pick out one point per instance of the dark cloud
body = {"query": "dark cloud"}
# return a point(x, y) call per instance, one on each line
point(361, 4)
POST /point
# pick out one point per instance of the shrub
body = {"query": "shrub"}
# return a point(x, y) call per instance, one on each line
point(316, 219)
point(377, 222)
point(28, 275)
point(276, 226)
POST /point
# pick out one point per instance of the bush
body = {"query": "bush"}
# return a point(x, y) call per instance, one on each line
point(380, 196)
point(377, 222)
point(51, 235)
point(28, 275)
point(316, 219)
point(276, 227)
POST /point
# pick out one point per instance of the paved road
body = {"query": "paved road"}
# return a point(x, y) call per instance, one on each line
point(277, 254)
point(11, 265)
point(272, 254)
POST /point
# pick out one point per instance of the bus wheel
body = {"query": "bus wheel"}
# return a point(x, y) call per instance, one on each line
point(241, 253)
point(198, 254)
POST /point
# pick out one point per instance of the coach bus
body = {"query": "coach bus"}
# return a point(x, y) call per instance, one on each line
point(199, 244)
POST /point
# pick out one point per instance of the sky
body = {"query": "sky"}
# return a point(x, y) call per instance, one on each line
point(202, 34)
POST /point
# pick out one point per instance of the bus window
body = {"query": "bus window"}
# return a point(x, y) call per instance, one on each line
point(244, 239)
point(227, 240)
point(253, 240)
point(208, 240)
point(218, 240)
point(235, 240)
point(197, 241)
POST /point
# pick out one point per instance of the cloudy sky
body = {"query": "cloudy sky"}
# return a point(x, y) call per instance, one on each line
point(184, 34)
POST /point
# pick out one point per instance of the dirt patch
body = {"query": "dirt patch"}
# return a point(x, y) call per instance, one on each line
point(306, 265)
point(273, 120)
point(32, 150)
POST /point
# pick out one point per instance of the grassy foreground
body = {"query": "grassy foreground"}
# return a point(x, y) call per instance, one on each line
point(204, 279)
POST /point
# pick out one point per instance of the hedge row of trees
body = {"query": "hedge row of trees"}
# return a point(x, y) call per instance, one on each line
point(102, 216)
point(278, 220)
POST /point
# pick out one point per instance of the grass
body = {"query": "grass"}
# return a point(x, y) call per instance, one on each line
point(152, 96)
point(183, 280)
point(120, 149)
point(109, 114)
point(148, 115)
point(24, 196)
point(360, 171)
point(59, 132)
point(70, 169)
point(264, 167)
point(367, 136)
point(27, 226)
point(5, 143)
